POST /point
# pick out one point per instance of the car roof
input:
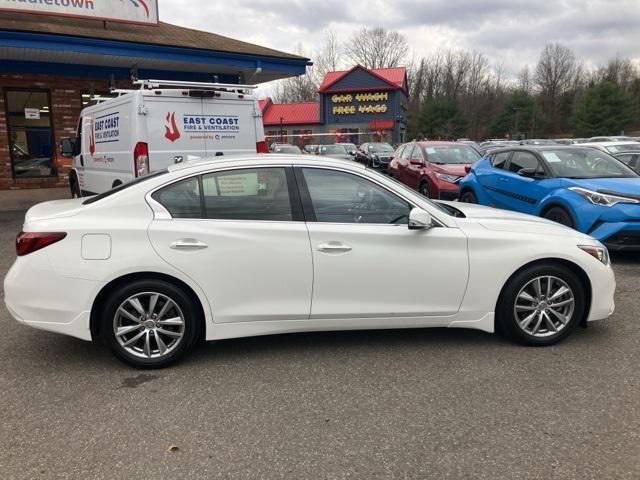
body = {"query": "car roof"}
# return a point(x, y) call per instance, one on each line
point(438, 142)
point(611, 144)
point(536, 148)
point(264, 159)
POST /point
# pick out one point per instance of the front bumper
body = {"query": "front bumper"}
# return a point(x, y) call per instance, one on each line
point(618, 227)
point(447, 191)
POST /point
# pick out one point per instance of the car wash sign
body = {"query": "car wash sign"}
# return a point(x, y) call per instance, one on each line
point(128, 11)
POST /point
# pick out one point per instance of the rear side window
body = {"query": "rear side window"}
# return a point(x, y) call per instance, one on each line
point(181, 199)
point(499, 160)
point(522, 160)
point(124, 186)
point(251, 194)
point(246, 194)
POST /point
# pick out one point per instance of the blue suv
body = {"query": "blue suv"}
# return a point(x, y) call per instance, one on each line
point(581, 187)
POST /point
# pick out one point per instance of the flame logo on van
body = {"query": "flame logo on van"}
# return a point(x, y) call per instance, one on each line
point(171, 131)
point(92, 143)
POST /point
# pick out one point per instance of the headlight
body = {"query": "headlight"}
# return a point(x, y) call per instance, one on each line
point(447, 178)
point(604, 199)
point(598, 252)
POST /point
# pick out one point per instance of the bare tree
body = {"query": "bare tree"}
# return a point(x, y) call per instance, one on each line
point(296, 89)
point(377, 48)
point(555, 75)
point(524, 80)
point(327, 58)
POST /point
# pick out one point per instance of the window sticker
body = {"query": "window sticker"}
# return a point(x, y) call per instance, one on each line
point(551, 157)
point(430, 150)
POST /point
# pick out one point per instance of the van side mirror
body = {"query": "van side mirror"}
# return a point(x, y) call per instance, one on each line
point(419, 219)
point(67, 147)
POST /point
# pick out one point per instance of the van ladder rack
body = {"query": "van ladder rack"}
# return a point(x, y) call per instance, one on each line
point(200, 85)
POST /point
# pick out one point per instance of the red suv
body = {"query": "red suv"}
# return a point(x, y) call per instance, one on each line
point(433, 168)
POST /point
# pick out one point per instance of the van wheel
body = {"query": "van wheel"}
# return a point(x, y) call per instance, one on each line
point(149, 323)
point(75, 189)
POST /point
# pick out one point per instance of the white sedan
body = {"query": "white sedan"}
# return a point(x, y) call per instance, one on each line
point(260, 245)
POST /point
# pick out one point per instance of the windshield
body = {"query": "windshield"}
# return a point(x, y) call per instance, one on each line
point(332, 150)
point(380, 148)
point(452, 154)
point(286, 149)
point(585, 163)
point(623, 147)
point(124, 186)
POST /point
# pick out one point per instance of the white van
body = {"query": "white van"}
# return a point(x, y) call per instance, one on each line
point(144, 130)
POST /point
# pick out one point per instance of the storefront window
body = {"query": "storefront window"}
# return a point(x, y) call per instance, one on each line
point(30, 133)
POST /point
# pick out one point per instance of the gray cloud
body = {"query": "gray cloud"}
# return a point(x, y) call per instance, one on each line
point(510, 33)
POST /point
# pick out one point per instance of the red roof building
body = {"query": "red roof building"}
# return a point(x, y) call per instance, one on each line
point(357, 105)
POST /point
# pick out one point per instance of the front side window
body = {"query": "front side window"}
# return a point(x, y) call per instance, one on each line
point(248, 194)
point(30, 133)
point(406, 153)
point(340, 197)
point(585, 163)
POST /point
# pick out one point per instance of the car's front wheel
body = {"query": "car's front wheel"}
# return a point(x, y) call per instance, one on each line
point(559, 215)
point(468, 197)
point(149, 323)
point(541, 305)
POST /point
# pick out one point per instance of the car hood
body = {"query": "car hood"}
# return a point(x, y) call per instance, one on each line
point(54, 209)
point(457, 169)
point(508, 221)
point(630, 186)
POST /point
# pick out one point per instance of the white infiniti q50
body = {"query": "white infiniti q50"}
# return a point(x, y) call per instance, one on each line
point(270, 244)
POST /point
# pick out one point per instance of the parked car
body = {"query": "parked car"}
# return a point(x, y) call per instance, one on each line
point(537, 141)
point(580, 187)
point(310, 149)
point(618, 138)
point(375, 155)
point(631, 159)
point(614, 147)
point(258, 245)
point(471, 143)
point(334, 151)
point(285, 148)
point(565, 141)
point(351, 148)
point(433, 168)
point(162, 123)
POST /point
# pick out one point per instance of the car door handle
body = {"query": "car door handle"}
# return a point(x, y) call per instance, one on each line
point(188, 244)
point(334, 247)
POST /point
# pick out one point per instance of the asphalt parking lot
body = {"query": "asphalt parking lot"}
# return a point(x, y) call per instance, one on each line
point(381, 404)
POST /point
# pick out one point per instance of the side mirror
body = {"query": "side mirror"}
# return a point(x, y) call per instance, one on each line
point(352, 152)
point(67, 147)
point(419, 219)
point(529, 173)
point(416, 161)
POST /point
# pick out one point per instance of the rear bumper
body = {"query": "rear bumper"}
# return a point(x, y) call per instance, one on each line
point(38, 297)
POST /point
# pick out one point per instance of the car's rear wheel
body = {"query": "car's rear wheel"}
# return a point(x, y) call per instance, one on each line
point(424, 189)
point(541, 305)
point(149, 323)
point(468, 197)
point(559, 215)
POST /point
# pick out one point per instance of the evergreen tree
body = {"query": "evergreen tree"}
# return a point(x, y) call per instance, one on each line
point(517, 117)
point(605, 109)
point(442, 119)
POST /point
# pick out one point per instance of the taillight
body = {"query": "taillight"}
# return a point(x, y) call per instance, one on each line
point(141, 159)
point(29, 242)
point(261, 147)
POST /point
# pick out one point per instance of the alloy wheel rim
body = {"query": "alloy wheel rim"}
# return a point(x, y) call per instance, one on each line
point(544, 306)
point(149, 325)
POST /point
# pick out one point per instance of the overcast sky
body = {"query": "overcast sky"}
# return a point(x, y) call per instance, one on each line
point(508, 32)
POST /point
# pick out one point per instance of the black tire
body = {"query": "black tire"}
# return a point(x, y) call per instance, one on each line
point(507, 322)
point(75, 188)
point(116, 183)
point(185, 307)
point(424, 189)
point(468, 197)
point(559, 215)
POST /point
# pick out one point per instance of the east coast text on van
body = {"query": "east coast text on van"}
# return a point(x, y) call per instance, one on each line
point(211, 123)
point(105, 128)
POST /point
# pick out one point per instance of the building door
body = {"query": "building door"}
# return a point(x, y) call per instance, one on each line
point(31, 143)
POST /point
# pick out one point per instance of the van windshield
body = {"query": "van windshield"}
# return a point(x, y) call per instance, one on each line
point(124, 186)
